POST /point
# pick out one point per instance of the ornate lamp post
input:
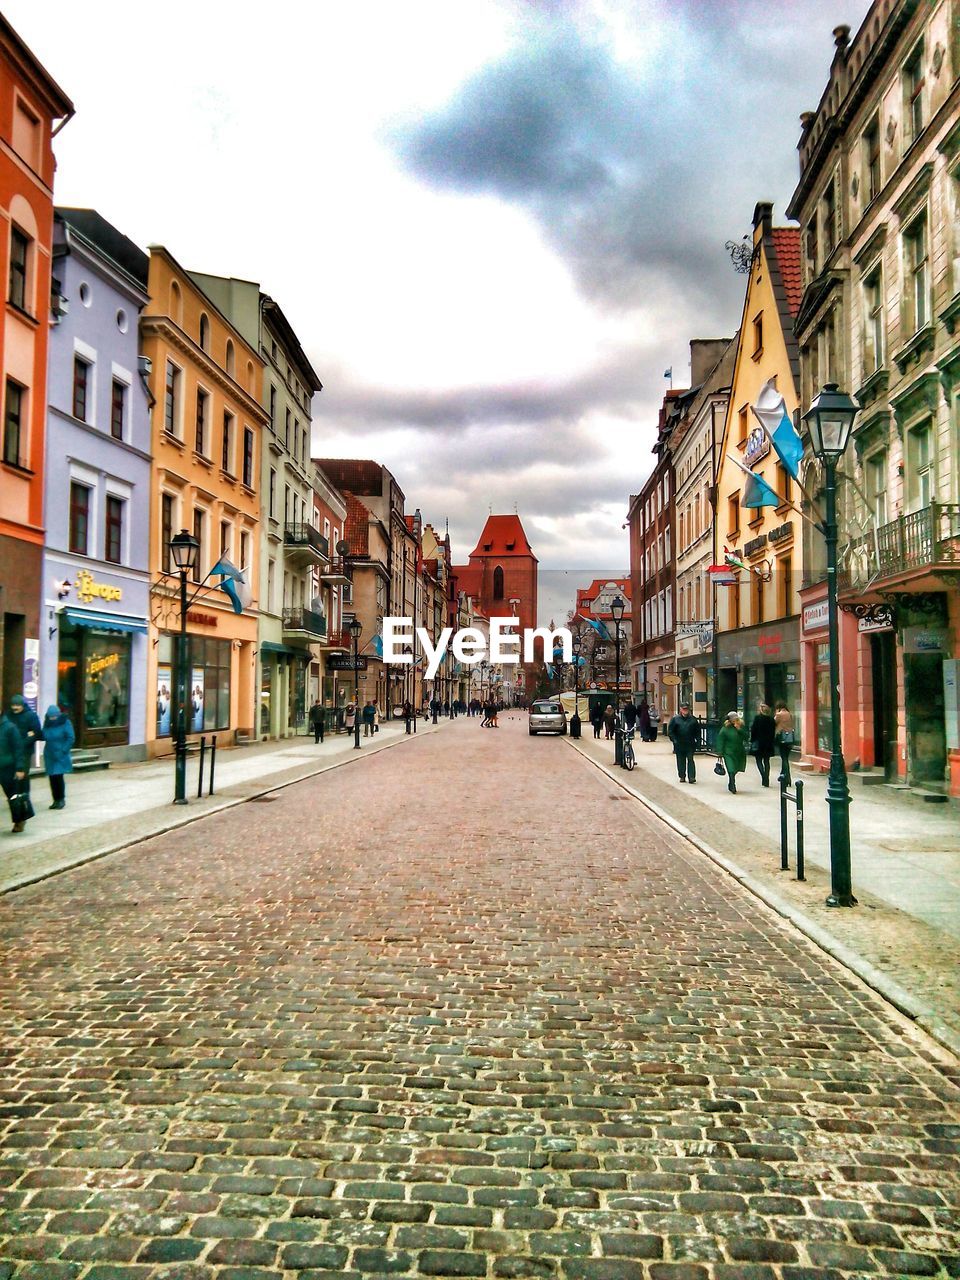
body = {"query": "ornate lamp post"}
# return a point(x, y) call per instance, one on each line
point(575, 718)
point(830, 421)
point(617, 608)
point(355, 627)
point(184, 549)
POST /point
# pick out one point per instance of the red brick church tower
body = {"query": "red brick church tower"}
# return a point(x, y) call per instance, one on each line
point(501, 574)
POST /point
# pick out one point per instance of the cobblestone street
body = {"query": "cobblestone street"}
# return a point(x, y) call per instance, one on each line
point(462, 1008)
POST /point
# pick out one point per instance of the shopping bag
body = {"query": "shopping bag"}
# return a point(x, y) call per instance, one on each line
point(20, 807)
point(718, 768)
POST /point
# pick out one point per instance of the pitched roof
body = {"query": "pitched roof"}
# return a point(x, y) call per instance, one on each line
point(586, 595)
point(358, 475)
point(502, 536)
point(786, 242)
point(93, 227)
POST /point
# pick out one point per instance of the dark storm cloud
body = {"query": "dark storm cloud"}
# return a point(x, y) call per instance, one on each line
point(639, 175)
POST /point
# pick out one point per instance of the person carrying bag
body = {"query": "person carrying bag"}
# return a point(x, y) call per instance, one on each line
point(14, 767)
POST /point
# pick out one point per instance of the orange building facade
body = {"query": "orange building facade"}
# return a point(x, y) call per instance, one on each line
point(30, 104)
point(207, 427)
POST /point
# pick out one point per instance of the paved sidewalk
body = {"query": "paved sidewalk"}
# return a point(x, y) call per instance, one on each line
point(906, 870)
point(111, 809)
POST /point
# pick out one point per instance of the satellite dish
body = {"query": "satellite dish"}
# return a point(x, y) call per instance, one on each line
point(343, 548)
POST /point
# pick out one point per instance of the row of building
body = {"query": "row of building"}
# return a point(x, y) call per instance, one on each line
point(141, 399)
point(730, 603)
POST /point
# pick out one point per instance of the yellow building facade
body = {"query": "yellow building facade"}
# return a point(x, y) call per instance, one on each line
point(207, 424)
point(758, 635)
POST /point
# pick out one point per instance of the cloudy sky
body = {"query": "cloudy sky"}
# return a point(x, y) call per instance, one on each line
point(493, 224)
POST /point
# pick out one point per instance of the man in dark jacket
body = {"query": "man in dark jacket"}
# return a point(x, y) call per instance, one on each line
point(684, 732)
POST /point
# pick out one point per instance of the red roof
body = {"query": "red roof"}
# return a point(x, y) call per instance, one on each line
point(586, 595)
point(786, 241)
point(358, 475)
point(469, 577)
point(502, 536)
point(357, 528)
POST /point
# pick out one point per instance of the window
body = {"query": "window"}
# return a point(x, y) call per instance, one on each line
point(733, 513)
point(273, 409)
point(79, 518)
point(199, 524)
point(19, 249)
point(871, 160)
point(785, 585)
point(27, 138)
point(875, 475)
point(784, 483)
point(118, 409)
point(248, 457)
point(171, 404)
point(226, 456)
point(204, 335)
point(758, 334)
point(272, 509)
point(225, 539)
point(13, 424)
point(231, 358)
point(305, 450)
point(873, 322)
point(286, 504)
point(915, 239)
point(758, 585)
point(203, 401)
point(113, 541)
point(81, 387)
point(813, 245)
point(296, 439)
point(271, 581)
point(829, 211)
point(920, 463)
point(286, 431)
point(166, 530)
point(913, 96)
point(734, 596)
point(744, 424)
point(244, 551)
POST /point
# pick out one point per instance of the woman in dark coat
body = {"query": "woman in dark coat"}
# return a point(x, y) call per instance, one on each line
point(732, 747)
point(643, 720)
point(59, 737)
point(763, 741)
point(596, 718)
point(14, 761)
point(609, 719)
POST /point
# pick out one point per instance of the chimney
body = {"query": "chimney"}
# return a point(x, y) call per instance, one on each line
point(763, 216)
point(705, 355)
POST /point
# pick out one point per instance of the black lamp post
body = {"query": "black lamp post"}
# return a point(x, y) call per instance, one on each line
point(355, 627)
point(617, 608)
point(184, 549)
point(830, 421)
point(575, 718)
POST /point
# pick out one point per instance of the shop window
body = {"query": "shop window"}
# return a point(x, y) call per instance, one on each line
point(207, 683)
point(824, 717)
point(79, 518)
point(113, 533)
point(19, 257)
point(106, 682)
point(118, 409)
point(81, 387)
point(13, 420)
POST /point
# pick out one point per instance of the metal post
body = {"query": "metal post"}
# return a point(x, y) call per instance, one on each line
point(203, 750)
point(180, 781)
point(838, 793)
point(784, 858)
point(356, 694)
point(213, 761)
point(618, 730)
point(575, 718)
point(716, 659)
point(799, 791)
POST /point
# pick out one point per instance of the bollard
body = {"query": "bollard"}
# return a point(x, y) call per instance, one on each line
point(798, 787)
point(784, 862)
point(203, 747)
point(213, 761)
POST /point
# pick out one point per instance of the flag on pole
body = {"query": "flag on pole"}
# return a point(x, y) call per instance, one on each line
point(377, 643)
point(668, 373)
point(771, 412)
point(598, 627)
point(733, 560)
point(233, 583)
point(756, 491)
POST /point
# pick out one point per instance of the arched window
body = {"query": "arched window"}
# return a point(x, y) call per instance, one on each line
point(204, 333)
point(231, 360)
point(498, 583)
point(176, 304)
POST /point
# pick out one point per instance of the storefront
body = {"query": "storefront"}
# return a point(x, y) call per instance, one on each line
point(695, 666)
point(93, 657)
point(761, 664)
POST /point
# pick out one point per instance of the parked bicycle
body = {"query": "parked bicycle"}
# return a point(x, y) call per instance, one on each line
point(629, 759)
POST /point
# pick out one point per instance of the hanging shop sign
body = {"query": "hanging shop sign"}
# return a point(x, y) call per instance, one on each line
point(669, 679)
point(758, 446)
point(343, 662)
point(89, 589)
point(816, 616)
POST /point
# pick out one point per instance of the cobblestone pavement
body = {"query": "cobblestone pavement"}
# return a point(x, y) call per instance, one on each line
point(462, 1009)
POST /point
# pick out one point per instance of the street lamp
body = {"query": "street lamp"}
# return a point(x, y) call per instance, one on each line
point(355, 626)
point(575, 718)
point(830, 422)
point(184, 550)
point(617, 608)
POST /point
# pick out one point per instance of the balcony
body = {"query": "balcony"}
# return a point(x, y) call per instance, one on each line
point(928, 539)
point(304, 623)
point(337, 573)
point(337, 640)
point(305, 544)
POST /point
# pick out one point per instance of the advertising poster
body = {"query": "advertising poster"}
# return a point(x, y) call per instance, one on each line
point(31, 664)
point(164, 700)
point(195, 701)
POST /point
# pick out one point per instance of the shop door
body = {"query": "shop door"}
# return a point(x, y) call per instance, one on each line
point(926, 728)
point(728, 690)
point(883, 653)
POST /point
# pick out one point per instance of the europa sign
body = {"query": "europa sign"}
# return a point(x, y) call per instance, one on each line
point(89, 589)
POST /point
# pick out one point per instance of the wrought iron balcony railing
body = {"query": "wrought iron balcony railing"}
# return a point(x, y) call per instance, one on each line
point(315, 624)
point(924, 539)
point(306, 536)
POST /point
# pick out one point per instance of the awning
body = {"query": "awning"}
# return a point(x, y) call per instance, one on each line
point(270, 646)
point(105, 621)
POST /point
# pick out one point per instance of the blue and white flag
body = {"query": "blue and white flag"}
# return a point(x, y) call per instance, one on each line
point(771, 412)
point(756, 491)
point(377, 643)
point(598, 627)
point(233, 583)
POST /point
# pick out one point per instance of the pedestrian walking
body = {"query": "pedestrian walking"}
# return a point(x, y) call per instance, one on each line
point(369, 715)
point(654, 721)
point(316, 718)
point(763, 741)
point(643, 719)
point(609, 720)
point(58, 738)
point(785, 738)
point(629, 716)
point(27, 724)
point(596, 718)
point(407, 713)
point(732, 748)
point(350, 717)
point(685, 734)
point(14, 772)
